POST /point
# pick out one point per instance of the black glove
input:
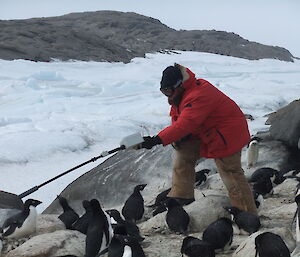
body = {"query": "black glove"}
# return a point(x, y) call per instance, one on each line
point(149, 142)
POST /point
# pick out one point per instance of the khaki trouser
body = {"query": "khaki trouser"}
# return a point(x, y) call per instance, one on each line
point(230, 170)
point(183, 177)
point(232, 174)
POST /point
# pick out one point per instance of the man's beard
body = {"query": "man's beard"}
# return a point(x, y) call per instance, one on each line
point(175, 99)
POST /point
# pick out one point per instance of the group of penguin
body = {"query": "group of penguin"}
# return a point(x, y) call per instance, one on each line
point(108, 232)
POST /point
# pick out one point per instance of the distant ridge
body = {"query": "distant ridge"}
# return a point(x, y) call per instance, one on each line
point(118, 36)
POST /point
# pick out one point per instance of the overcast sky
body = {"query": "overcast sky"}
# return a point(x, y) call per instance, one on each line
point(272, 22)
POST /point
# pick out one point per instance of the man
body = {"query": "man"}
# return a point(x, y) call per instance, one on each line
point(206, 123)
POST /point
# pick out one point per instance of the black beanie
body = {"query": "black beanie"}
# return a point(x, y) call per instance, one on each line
point(171, 78)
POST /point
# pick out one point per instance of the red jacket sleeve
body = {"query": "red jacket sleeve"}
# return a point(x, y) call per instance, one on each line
point(194, 112)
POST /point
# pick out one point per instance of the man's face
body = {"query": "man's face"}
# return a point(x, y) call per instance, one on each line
point(175, 96)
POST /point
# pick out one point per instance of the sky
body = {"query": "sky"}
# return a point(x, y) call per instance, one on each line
point(271, 22)
point(57, 115)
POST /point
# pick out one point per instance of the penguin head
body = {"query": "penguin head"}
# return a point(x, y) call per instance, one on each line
point(86, 205)
point(140, 187)
point(62, 200)
point(115, 214)
point(171, 202)
point(32, 202)
point(95, 206)
point(232, 210)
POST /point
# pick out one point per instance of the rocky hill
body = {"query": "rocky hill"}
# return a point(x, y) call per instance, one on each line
point(117, 36)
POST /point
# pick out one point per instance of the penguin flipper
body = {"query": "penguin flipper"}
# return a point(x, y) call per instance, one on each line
point(10, 229)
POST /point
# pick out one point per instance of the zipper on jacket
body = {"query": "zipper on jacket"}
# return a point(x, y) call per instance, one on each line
point(223, 138)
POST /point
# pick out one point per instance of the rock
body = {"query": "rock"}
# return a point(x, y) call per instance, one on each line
point(285, 187)
point(113, 181)
point(285, 124)
point(247, 247)
point(58, 243)
point(118, 36)
point(205, 210)
point(48, 223)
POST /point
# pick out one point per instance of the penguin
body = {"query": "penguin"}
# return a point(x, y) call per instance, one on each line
point(131, 228)
point(159, 209)
point(252, 153)
point(258, 199)
point(263, 186)
point(194, 247)
point(201, 176)
point(247, 223)
point(269, 244)
point(133, 209)
point(99, 232)
point(160, 198)
point(219, 234)
point(177, 218)
point(82, 223)
point(263, 173)
point(116, 247)
point(123, 245)
point(22, 224)
point(69, 216)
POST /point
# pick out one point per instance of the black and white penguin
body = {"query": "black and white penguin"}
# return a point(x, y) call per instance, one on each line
point(69, 216)
point(160, 198)
point(133, 209)
point(269, 244)
point(246, 222)
point(275, 176)
point(177, 218)
point(201, 176)
point(219, 234)
point(82, 223)
point(123, 245)
point(252, 152)
point(258, 199)
point(131, 228)
point(22, 224)
point(194, 247)
point(263, 186)
point(99, 232)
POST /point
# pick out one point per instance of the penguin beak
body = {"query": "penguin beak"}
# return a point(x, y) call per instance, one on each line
point(37, 202)
point(143, 186)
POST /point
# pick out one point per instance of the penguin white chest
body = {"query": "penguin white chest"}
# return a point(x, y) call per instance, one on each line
point(252, 154)
point(127, 251)
point(28, 227)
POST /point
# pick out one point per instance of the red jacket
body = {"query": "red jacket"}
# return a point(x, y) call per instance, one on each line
point(210, 116)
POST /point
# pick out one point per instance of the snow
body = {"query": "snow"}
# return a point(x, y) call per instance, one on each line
point(57, 115)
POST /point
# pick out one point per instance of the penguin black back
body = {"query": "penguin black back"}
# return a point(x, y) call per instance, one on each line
point(269, 244)
point(201, 176)
point(69, 216)
point(194, 247)
point(219, 234)
point(246, 221)
point(133, 209)
point(177, 218)
point(262, 173)
point(99, 232)
point(263, 186)
point(82, 223)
